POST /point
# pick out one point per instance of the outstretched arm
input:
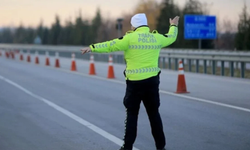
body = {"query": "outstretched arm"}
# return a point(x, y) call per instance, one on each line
point(171, 36)
point(120, 44)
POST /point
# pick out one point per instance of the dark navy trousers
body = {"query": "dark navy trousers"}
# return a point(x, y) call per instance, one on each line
point(146, 91)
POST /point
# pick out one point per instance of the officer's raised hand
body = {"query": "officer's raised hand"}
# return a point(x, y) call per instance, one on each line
point(174, 21)
point(85, 50)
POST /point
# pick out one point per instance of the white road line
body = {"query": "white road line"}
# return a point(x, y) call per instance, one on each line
point(206, 101)
point(163, 92)
point(86, 75)
point(69, 114)
point(211, 77)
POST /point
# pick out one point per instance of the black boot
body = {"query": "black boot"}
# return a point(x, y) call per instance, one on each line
point(123, 148)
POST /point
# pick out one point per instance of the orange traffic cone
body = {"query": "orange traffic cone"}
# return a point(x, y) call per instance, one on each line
point(28, 57)
point(181, 85)
point(57, 64)
point(36, 59)
point(12, 54)
point(47, 59)
point(21, 55)
point(111, 74)
point(92, 65)
point(7, 54)
point(73, 62)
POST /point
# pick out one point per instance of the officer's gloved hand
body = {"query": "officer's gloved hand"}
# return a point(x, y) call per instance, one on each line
point(86, 50)
point(174, 21)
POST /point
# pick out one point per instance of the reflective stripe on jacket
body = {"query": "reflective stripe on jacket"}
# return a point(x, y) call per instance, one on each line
point(141, 50)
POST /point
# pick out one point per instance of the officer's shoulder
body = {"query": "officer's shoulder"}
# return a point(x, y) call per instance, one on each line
point(129, 32)
point(155, 32)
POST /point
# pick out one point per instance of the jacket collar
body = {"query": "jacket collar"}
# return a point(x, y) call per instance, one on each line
point(142, 28)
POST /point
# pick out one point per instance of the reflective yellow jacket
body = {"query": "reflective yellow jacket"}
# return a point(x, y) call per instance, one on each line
point(141, 50)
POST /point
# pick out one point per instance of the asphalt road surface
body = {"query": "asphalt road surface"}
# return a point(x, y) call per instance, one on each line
point(43, 108)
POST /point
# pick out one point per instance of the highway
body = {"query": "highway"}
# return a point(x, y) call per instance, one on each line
point(46, 108)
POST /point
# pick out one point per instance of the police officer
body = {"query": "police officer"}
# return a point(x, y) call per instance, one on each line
point(141, 52)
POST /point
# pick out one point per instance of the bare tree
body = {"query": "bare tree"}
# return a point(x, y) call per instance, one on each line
point(226, 36)
point(151, 9)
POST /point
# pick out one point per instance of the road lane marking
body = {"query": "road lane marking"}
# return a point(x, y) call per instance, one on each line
point(210, 77)
point(162, 91)
point(87, 124)
point(192, 74)
point(206, 101)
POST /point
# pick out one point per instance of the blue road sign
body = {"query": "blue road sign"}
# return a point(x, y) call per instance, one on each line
point(200, 27)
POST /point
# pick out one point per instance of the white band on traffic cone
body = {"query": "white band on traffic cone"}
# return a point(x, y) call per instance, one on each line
point(91, 58)
point(181, 65)
point(110, 60)
point(73, 56)
point(181, 70)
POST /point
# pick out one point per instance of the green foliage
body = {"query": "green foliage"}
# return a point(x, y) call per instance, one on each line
point(81, 31)
point(24, 35)
point(96, 24)
point(170, 10)
point(6, 36)
point(67, 34)
point(45, 37)
point(19, 34)
point(243, 35)
point(55, 32)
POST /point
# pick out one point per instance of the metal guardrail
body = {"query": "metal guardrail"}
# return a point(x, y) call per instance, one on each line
point(200, 59)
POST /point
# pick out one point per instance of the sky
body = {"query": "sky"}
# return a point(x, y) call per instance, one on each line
point(31, 12)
